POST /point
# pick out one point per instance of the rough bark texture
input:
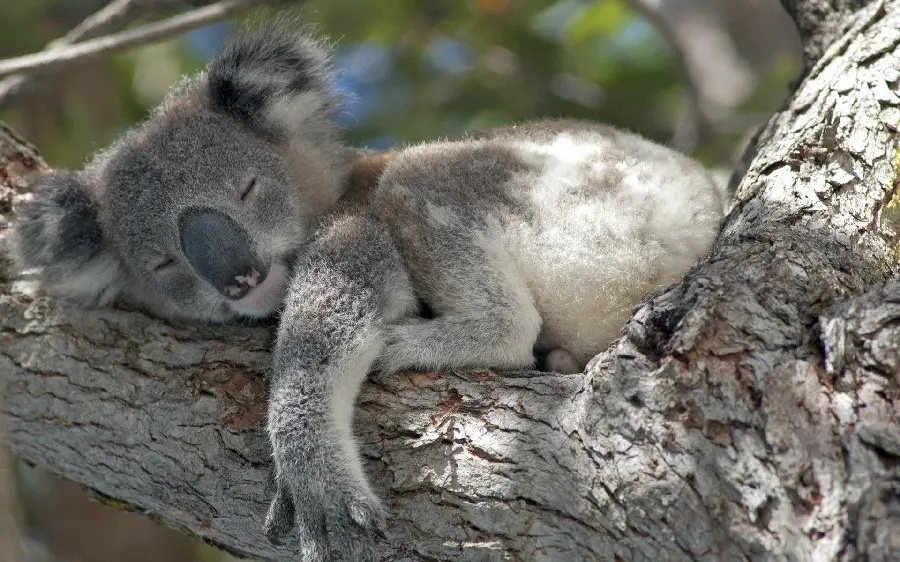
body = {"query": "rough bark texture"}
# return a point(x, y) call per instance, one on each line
point(821, 21)
point(748, 413)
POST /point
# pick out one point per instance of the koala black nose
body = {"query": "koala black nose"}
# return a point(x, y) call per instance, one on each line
point(220, 251)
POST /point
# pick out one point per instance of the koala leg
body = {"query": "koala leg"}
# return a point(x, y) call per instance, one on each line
point(330, 332)
point(559, 360)
point(485, 318)
point(562, 361)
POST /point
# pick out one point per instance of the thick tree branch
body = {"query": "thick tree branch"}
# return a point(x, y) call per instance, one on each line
point(860, 344)
point(747, 413)
point(54, 59)
point(820, 22)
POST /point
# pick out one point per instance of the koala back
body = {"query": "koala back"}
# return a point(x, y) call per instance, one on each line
point(584, 219)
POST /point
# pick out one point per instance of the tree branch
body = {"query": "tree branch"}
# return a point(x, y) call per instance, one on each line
point(112, 17)
point(820, 22)
point(729, 422)
point(860, 345)
point(716, 77)
point(154, 32)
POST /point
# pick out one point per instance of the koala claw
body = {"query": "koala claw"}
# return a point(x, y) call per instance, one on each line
point(280, 518)
point(334, 527)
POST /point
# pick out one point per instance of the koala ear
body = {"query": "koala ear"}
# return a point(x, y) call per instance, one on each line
point(274, 78)
point(59, 232)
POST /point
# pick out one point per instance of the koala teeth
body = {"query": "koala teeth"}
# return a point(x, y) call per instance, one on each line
point(244, 283)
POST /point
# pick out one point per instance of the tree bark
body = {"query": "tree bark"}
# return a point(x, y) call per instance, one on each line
point(747, 413)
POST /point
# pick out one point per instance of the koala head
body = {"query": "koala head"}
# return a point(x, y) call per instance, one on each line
point(198, 212)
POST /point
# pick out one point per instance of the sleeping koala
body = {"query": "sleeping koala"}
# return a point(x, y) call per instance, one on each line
point(237, 198)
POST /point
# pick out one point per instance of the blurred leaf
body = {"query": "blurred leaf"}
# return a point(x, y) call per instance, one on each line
point(603, 17)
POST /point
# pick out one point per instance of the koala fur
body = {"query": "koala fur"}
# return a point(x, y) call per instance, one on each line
point(237, 198)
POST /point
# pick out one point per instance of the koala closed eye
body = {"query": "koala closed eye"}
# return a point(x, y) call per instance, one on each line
point(247, 189)
point(162, 264)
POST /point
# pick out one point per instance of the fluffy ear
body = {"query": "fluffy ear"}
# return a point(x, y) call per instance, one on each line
point(274, 78)
point(59, 232)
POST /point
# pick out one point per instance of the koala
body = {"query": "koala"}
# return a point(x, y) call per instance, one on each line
point(237, 198)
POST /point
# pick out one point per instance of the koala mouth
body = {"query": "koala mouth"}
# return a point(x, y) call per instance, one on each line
point(243, 284)
point(222, 253)
point(262, 295)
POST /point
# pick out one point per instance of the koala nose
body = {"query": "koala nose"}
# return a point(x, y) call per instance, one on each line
point(220, 251)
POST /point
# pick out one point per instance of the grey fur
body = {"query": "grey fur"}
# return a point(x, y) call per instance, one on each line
point(538, 237)
point(195, 152)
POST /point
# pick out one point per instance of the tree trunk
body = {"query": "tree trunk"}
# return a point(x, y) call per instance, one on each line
point(748, 413)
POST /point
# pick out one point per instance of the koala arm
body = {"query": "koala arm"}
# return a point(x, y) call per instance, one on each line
point(348, 284)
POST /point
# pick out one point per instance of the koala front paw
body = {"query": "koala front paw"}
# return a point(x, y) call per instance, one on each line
point(335, 520)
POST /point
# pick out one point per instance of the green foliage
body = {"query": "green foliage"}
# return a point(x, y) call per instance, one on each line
point(525, 59)
point(417, 70)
